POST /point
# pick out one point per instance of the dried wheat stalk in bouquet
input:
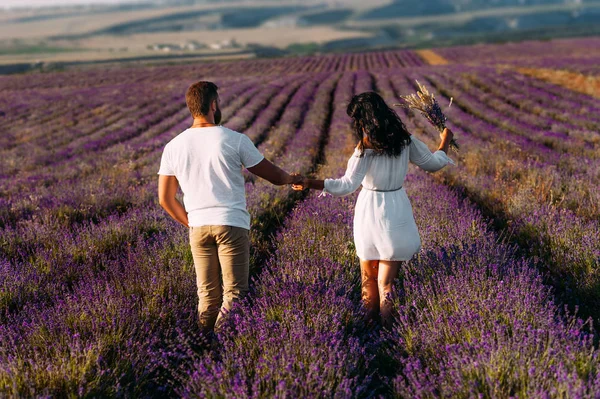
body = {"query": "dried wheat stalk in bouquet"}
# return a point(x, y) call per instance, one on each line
point(425, 102)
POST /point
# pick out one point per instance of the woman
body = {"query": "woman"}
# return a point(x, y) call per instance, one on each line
point(385, 233)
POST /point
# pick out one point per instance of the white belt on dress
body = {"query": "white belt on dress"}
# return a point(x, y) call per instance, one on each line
point(383, 191)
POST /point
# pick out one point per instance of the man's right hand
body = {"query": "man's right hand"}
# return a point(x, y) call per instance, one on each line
point(297, 179)
point(300, 186)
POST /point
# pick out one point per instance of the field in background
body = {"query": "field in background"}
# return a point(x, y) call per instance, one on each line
point(97, 287)
point(241, 29)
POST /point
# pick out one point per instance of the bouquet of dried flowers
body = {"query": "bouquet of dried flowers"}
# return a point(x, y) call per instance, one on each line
point(425, 102)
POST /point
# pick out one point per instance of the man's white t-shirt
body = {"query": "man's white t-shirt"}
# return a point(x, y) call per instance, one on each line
point(208, 164)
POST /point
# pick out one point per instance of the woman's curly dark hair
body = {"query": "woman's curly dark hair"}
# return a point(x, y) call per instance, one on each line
point(384, 129)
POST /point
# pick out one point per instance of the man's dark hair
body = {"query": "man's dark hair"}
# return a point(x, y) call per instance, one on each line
point(199, 96)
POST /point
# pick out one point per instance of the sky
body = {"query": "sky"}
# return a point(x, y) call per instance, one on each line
point(51, 3)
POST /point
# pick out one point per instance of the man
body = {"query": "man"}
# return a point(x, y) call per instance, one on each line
point(206, 160)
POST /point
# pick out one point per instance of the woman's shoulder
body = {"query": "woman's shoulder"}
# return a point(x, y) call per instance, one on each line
point(366, 153)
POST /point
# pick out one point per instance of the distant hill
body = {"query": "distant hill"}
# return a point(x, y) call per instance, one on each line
point(447, 22)
point(411, 8)
point(158, 29)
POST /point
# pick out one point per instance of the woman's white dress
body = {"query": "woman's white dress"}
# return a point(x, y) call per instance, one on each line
point(384, 225)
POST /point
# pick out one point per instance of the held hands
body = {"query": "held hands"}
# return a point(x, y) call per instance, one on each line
point(296, 179)
point(299, 182)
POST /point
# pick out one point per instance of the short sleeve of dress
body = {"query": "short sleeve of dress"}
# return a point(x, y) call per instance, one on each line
point(166, 167)
point(420, 155)
point(249, 154)
point(355, 172)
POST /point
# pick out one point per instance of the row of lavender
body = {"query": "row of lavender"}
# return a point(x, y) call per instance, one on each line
point(106, 181)
point(318, 297)
point(588, 65)
point(46, 127)
point(90, 304)
point(531, 160)
point(472, 310)
point(113, 161)
point(299, 334)
point(32, 288)
point(474, 318)
point(81, 262)
point(108, 287)
point(175, 75)
point(43, 290)
point(559, 49)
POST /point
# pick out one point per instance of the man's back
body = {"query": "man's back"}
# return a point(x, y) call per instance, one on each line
point(208, 163)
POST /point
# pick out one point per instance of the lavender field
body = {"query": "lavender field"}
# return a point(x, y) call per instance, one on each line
point(97, 286)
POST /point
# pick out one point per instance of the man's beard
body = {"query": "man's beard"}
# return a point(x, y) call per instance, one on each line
point(218, 116)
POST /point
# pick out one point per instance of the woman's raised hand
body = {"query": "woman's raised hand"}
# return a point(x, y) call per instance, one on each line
point(447, 134)
point(446, 137)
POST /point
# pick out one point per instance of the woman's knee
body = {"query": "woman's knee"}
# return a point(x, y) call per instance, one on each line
point(369, 269)
point(388, 273)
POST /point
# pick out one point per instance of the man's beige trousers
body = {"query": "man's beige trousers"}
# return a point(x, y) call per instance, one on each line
point(219, 250)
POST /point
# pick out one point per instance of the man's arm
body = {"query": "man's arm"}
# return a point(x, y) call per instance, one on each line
point(307, 183)
point(273, 174)
point(167, 189)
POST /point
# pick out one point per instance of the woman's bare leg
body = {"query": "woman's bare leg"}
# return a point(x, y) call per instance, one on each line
point(388, 272)
point(369, 270)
